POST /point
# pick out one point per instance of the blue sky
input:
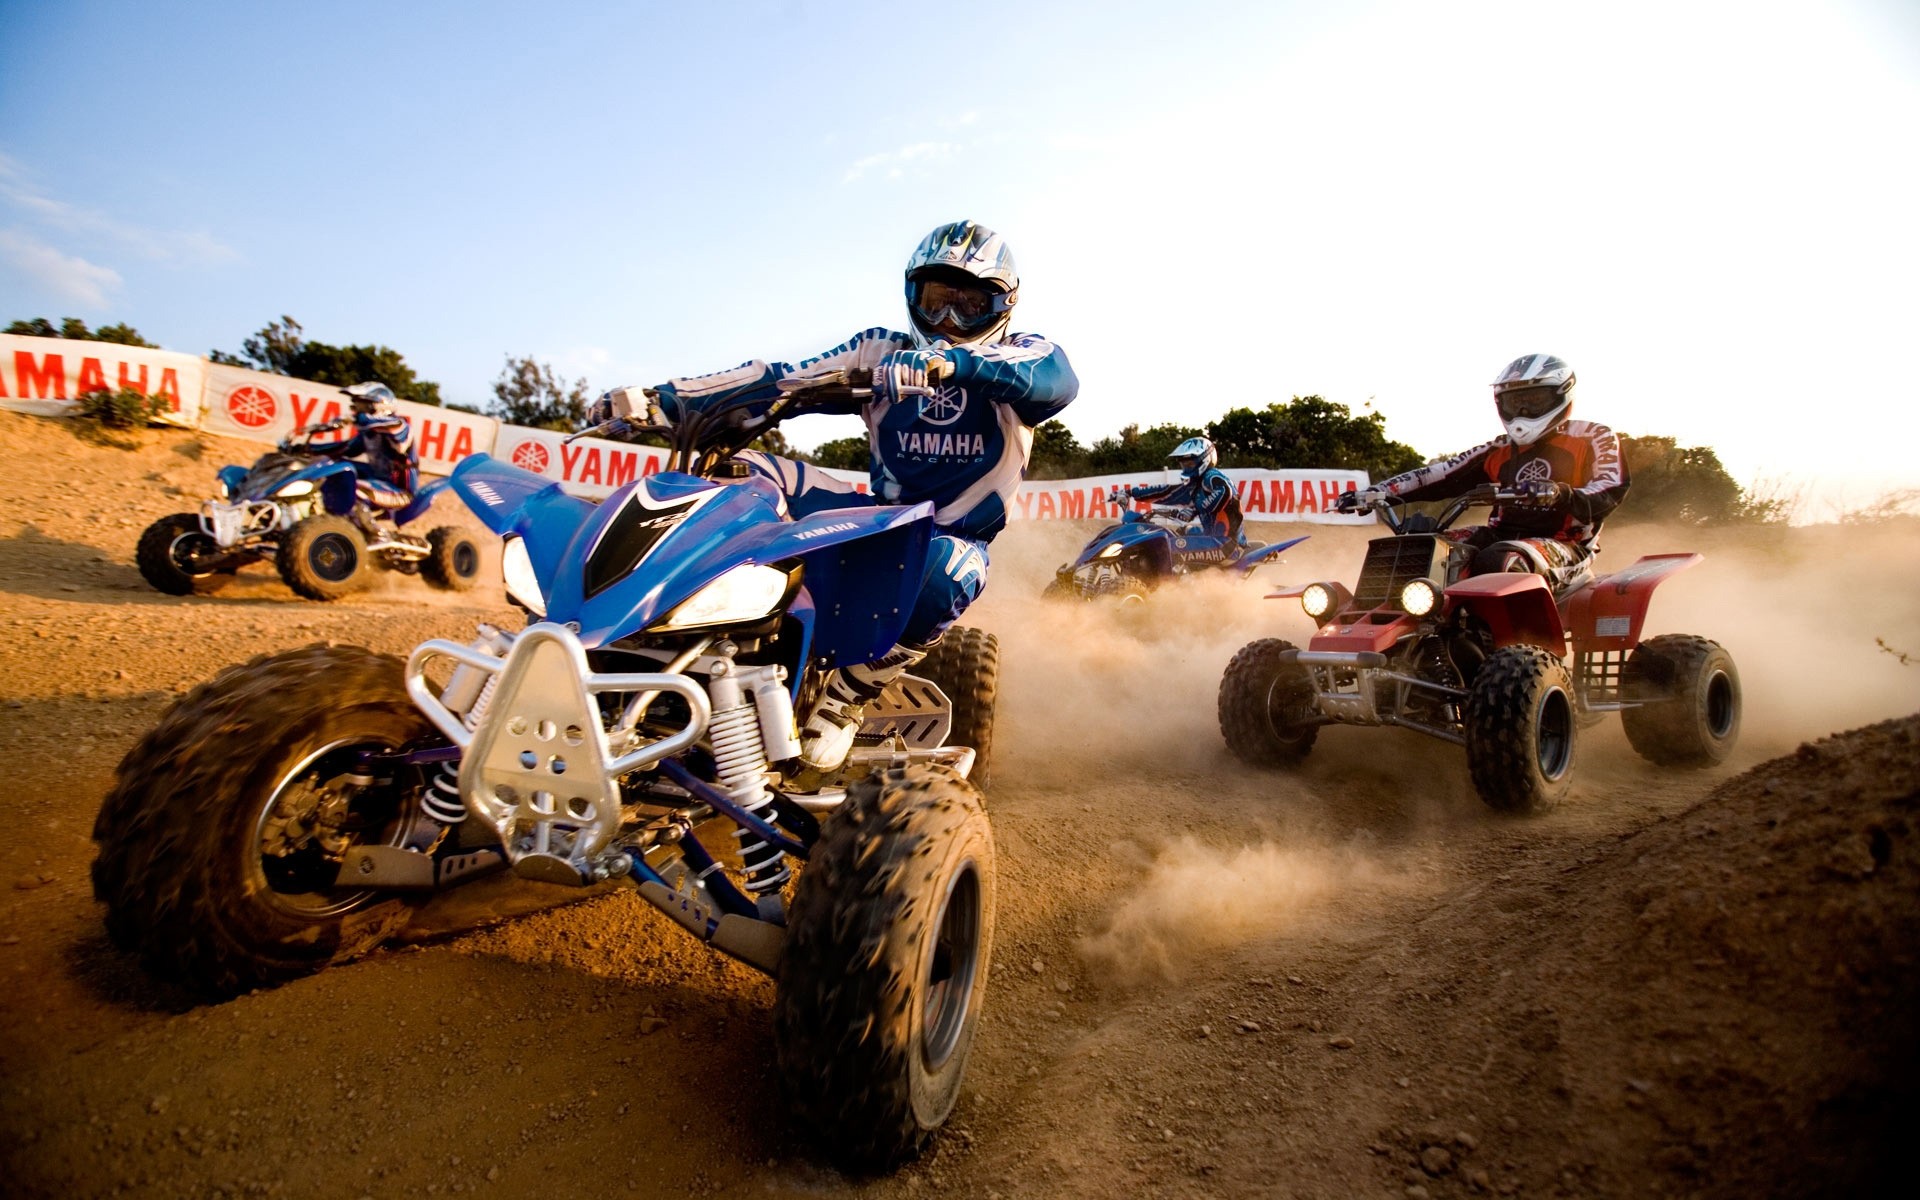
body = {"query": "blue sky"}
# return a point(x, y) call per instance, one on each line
point(1706, 207)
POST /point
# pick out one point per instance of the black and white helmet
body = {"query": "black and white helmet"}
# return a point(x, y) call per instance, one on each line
point(374, 399)
point(961, 286)
point(1194, 455)
point(1534, 395)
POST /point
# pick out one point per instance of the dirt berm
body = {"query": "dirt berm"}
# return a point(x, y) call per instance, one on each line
point(1350, 979)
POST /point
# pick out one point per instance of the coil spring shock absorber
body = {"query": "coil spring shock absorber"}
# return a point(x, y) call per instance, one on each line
point(468, 692)
point(740, 759)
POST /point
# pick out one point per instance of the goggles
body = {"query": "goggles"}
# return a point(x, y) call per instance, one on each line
point(959, 307)
point(1529, 403)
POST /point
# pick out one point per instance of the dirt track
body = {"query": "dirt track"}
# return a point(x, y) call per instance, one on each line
point(1351, 980)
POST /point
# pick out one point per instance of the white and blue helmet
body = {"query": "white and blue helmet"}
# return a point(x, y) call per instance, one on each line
point(1534, 395)
point(1194, 455)
point(961, 286)
point(372, 397)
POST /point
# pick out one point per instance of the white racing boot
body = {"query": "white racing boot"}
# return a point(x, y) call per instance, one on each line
point(827, 737)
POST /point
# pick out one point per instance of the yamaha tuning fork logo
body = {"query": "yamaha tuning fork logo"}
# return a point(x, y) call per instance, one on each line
point(944, 407)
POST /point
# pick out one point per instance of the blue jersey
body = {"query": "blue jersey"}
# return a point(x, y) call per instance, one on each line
point(1210, 494)
point(385, 443)
point(965, 449)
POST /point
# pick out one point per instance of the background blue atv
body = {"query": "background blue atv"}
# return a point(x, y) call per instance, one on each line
point(300, 507)
point(1127, 561)
point(290, 813)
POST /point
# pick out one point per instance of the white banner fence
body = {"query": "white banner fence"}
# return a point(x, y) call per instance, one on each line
point(47, 375)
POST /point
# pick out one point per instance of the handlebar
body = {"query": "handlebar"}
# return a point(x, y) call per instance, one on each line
point(1388, 507)
point(701, 440)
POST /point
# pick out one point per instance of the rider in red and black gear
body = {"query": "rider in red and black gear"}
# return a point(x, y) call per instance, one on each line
point(1570, 474)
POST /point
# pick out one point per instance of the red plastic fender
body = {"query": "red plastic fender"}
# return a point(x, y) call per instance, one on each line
point(1607, 614)
point(1517, 607)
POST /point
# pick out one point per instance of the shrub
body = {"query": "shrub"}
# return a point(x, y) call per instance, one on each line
point(127, 408)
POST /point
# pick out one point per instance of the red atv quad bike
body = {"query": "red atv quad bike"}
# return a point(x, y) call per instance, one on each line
point(1495, 663)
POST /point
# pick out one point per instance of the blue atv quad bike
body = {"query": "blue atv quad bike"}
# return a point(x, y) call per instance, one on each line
point(292, 812)
point(1126, 562)
point(303, 510)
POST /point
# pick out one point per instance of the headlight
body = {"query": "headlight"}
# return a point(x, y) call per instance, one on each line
point(523, 586)
point(1418, 597)
point(295, 490)
point(1109, 550)
point(741, 596)
point(1317, 600)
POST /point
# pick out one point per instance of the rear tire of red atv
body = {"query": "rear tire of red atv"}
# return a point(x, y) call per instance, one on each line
point(1521, 730)
point(885, 968)
point(185, 868)
point(1691, 693)
point(323, 557)
point(966, 665)
point(452, 563)
point(1266, 706)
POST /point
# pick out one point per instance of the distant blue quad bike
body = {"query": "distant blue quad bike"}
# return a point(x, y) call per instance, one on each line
point(293, 811)
point(303, 510)
point(1128, 561)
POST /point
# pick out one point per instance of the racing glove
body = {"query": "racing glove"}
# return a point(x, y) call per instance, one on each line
point(906, 373)
point(631, 404)
point(1542, 493)
point(1363, 500)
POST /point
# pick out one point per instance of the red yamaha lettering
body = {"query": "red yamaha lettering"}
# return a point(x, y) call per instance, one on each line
point(93, 377)
point(44, 380)
point(621, 465)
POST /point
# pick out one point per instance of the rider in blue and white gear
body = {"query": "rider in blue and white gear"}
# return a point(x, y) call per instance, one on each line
point(1204, 500)
point(382, 441)
point(961, 443)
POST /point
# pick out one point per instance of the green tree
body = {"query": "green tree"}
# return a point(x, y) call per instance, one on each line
point(1134, 449)
point(1675, 483)
point(74, 327)
point(1310, 431)
point(843, 454)
point(1057, 454)
point(529, 393)
point(281, 347)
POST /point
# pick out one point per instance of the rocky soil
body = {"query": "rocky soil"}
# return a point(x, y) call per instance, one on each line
point(1346, 980)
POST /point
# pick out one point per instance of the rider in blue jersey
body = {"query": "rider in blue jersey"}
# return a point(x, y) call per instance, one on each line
point(961, 442)
point(383, 442)
point(1205, 500)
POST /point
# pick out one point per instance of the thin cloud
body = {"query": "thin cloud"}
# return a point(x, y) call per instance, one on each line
point(893, 164)
point(169, 246)
point(73, 278)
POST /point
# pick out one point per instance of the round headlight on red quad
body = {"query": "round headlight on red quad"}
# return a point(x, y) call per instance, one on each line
point(1317, 600)
point(1419, 597)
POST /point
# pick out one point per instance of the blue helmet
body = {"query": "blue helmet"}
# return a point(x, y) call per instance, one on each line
point(961, 285)
point(1194, 455)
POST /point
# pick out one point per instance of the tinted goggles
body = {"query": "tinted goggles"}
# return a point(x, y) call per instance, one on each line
point(958, 305)
point(1529, 402)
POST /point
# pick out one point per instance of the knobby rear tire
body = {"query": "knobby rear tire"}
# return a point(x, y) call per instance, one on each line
point(452, 563)
point(966, 665)
point(1690, 715)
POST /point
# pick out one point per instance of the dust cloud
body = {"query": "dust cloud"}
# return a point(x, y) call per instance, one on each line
point(1092, 691)
point(1196, 900)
